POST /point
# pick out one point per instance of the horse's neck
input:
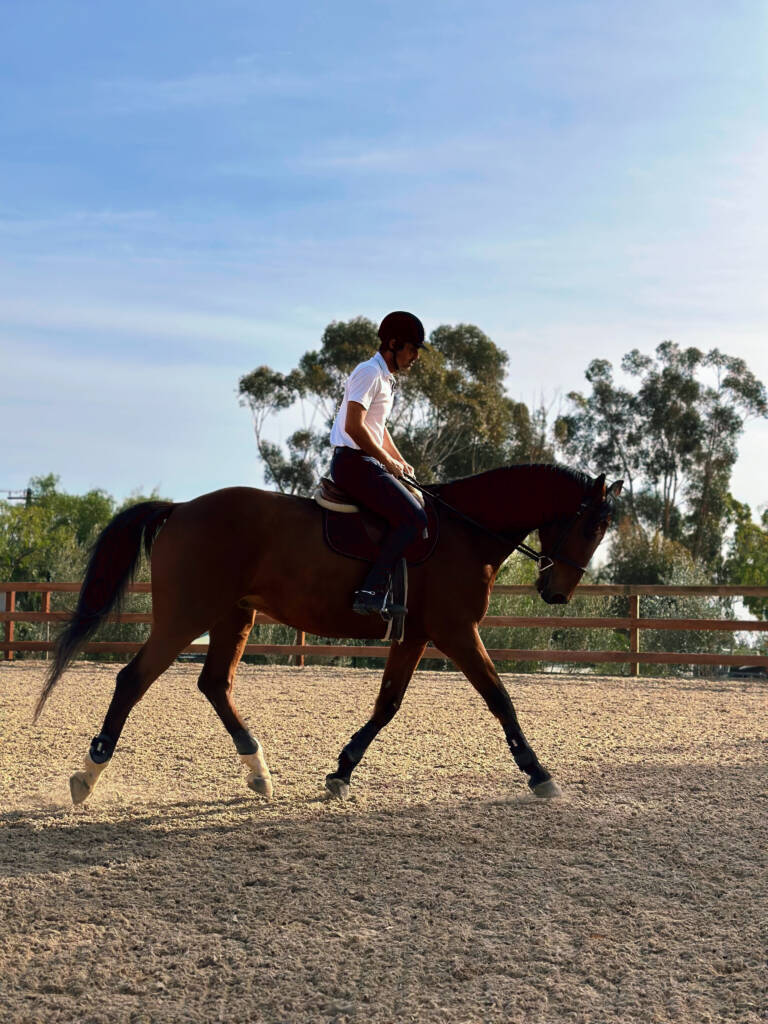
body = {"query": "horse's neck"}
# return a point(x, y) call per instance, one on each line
point(515, 498)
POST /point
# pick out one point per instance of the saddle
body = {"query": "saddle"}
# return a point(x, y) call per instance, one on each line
point(357, 532)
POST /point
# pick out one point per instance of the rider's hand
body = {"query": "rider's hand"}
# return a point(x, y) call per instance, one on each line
point(409, 470)
point(394, 466)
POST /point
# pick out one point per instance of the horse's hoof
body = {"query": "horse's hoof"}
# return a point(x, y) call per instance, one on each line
point(337, 787)
point(262, 785)
point(547, 790)
point(79, 788)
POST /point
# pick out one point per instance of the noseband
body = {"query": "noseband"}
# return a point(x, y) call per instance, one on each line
point(544, 561)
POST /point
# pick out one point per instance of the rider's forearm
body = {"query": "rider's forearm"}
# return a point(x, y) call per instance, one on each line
point(389, 446)
point(365, 440)
point(395, 452)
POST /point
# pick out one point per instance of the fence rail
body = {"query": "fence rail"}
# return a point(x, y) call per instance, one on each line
point(633, 623)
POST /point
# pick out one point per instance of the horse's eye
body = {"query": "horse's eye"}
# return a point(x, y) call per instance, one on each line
point(592, 529)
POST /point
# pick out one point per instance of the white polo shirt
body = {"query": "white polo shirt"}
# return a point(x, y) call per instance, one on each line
point(372, 385)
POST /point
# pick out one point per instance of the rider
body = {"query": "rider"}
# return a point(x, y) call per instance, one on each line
point(366, 462)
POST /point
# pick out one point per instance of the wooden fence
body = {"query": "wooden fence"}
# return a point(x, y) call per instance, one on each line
point(633, 623)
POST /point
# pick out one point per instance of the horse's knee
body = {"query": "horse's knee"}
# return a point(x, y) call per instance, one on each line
point(130, 685)
point(211, 685)
point(499, 703)
point(126, 678)
point(384, 712)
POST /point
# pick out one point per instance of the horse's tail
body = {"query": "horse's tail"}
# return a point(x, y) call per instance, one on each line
point(111, 566)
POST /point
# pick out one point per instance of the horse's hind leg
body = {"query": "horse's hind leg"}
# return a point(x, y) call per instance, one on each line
point(133, 681)
point(227, 642)
point(401, 664)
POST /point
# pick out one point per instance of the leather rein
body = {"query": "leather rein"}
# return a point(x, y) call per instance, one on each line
point(542, 560)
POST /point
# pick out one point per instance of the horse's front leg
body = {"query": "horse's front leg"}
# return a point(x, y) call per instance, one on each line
point(401, 664)
point(468, 652)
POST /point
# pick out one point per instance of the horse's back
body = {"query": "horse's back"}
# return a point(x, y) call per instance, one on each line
point(232, 529)
point(242, 507)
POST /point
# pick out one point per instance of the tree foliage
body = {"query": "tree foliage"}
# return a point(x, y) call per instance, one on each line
point(673, 437)
point(48, 539)
point(748, 556)
point(640, 557)
point(455, 418)
point(49, 536)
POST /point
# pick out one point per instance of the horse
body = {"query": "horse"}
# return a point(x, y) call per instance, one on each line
point(220, 558)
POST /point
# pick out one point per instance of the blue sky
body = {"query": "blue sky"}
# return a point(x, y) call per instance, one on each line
point(189, 190)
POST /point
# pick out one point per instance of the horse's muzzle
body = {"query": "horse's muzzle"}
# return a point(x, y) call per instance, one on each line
point(548, 594)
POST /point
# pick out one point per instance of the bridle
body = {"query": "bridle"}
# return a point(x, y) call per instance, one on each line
point(543, 561)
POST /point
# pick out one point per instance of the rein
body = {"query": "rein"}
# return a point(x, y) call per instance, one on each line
point(543, 561)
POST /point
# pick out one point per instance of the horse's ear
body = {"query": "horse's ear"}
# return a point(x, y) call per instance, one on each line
point(615, 489)
point(600, 483)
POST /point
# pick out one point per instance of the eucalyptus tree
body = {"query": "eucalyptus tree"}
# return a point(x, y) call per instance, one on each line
point(733, 396)
point(748, 555)
point(673, 436)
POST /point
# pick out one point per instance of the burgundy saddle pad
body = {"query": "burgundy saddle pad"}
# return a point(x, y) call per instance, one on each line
point(359, 535)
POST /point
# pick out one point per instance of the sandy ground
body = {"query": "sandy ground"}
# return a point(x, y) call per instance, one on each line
point(439, 892)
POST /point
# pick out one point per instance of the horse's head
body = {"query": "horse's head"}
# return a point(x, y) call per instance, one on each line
point(568, 544)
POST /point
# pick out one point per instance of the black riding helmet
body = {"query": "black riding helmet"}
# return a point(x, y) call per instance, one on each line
point(402, 327)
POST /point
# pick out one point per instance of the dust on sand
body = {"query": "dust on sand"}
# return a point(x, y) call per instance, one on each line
point(439, 892)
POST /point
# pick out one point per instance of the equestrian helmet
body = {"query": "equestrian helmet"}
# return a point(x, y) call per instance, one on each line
point(402, 327)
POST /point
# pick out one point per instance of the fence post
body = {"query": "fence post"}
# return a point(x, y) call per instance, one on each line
point(301, 638)
point(634, 633)
point(10, 606)
point(45, 608)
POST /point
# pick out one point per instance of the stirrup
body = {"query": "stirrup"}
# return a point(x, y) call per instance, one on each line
point(370, 602)
point(391, 611)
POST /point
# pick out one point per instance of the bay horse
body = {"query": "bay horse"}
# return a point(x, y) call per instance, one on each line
point(221, 557)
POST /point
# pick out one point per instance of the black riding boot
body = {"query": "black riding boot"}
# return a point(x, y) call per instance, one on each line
point(371, 597)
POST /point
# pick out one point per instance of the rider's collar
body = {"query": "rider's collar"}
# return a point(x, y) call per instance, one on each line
point(379, 358)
